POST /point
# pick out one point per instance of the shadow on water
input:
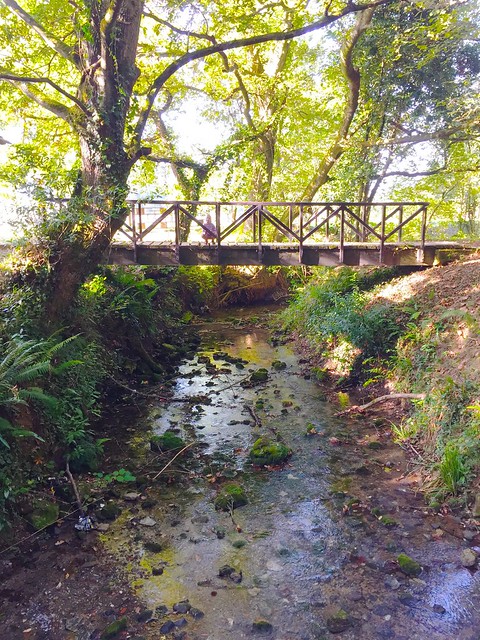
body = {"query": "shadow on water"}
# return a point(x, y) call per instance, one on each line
point(314, 549)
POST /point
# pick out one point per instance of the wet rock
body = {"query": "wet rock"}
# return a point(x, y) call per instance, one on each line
point(161, 611)
point(179, 635)
point(392, 583)
point(114, 629)
point(102, 527)
point(182, 607)
point(469, 534)
point(408, 599)
point(266, 451)
point(157, 571)
point(437, 608)
point(468, 558)
point(181, 623)
point(167, 627)
point(262, 626)
point(239, 544)
point(236, 577)
point(278, 365)
point(225, 571)
point(220, 533)
point(145, 616)
point(196, 613)
point(230, 497)
point(260, 375)
point(339, 622)
point(147, 522)
point(154, 547)
point(409, 566)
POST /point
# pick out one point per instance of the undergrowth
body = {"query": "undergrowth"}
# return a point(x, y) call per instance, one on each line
point(365, 340)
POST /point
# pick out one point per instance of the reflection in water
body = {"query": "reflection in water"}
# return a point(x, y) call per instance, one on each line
point(302, 551)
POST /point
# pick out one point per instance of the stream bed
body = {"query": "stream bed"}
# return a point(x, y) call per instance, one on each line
point(315, 551)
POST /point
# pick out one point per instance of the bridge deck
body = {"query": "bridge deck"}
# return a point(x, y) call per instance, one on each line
point(318, 254)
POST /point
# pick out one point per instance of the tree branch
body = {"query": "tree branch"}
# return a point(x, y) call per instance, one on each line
point(57, 108)
point(14, 79)
point(278, 36)
point(53, 42)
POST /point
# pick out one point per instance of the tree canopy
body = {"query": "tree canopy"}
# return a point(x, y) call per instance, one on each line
point(330, 99)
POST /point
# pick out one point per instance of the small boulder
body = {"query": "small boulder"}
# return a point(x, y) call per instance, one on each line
point(260, 375)
point(114, 629)
point(266, 451)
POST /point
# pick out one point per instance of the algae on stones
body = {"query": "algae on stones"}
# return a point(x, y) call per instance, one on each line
point(409, 566)
point(230, 497)
point(168, 441)
point(266, 451)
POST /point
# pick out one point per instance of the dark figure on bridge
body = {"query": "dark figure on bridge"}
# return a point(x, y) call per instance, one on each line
point(210, 232)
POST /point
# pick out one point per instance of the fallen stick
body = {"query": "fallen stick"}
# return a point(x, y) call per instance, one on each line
point(252, 412)
point(391, 396)
point(75, 489)
point(174, 458)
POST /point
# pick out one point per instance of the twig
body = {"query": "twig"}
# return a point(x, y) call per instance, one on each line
point(251, 411)
point(391, 396)
point(174, 458)
point(75, 489)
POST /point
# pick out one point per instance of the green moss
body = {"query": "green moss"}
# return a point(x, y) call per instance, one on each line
point(109, 512)
point(320, 374)
point(231, 496)
point(409, 566)
point(262, 626)
point(260, 375)
point(239, 544)
point(375, 445)
point(44, 514)
point(114, 629)
point(168, 441)
point(267, 452)
point(387, 521)
point(278, 365)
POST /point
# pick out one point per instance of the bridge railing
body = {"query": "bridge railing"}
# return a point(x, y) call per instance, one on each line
point(301, 224)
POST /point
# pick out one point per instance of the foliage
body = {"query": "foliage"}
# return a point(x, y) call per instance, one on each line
point(336, 312)
point(121, 476)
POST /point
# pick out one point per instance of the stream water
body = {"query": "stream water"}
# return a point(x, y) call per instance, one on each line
point(315, 549)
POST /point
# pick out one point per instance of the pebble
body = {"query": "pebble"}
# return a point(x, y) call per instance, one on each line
point(132, 496)
point(157, 571)
point(167, 627)
point(161, 610)
point(182, 607)
point(392, 583)
point(181, 623)
point(274, 566)
point(147, 522)
point(468, 558)
point(102, 527)
point(469, 535)
point(196, 613)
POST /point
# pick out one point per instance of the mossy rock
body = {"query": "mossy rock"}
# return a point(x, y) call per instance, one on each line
point(409, 566)
point(109, 512)
point(44, 513)
point(262, 626)
point(278, 365)
point(268, 452)
point(339, 622)
point(168, 441)
point(231, 496)
point(114, 629)
point(260, 375)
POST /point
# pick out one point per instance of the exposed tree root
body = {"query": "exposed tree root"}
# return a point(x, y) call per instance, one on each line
point(391, 396)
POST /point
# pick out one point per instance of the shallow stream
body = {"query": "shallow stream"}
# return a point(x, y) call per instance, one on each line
point(315, 549)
